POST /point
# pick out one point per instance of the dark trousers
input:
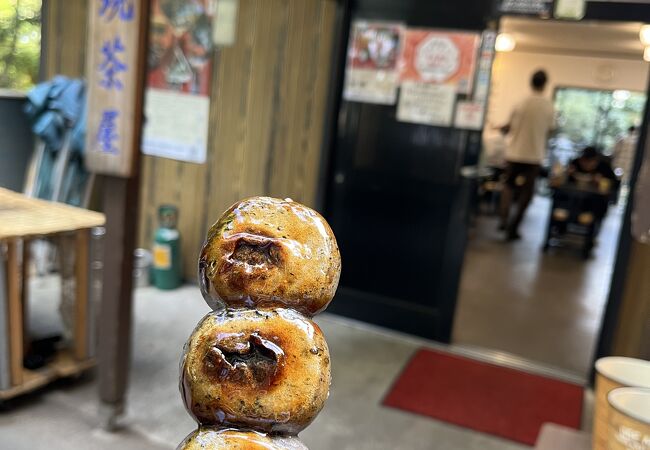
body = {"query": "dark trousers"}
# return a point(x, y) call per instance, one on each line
point(520, 184)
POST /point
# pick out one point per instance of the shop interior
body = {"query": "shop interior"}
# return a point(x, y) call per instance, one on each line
point(546, 306)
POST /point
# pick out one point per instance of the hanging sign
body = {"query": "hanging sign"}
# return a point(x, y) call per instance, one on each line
point(177, 106)
point(541, 8)
point(113, 74)
point(371, 74)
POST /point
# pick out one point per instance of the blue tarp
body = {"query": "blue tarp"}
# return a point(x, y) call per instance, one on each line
point(55, 108)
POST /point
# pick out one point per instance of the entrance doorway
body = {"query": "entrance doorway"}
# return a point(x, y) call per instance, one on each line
point(514, 298)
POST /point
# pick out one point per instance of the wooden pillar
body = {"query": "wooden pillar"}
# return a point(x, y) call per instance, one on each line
point(632, 336)
point(121, 209)
point(120, 171)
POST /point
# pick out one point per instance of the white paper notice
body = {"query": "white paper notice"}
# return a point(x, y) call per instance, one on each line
point(176, 125)
point(429, 104)
point(469, 115)
point(371, 86)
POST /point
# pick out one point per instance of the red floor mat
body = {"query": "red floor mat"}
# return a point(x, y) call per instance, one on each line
point(484, 397)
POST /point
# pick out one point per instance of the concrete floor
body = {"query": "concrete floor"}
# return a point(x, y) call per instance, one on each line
point(365, 361)
point(543, 307)
point(514, 299)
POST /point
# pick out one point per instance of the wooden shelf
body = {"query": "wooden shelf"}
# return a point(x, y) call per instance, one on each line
point(64, 365)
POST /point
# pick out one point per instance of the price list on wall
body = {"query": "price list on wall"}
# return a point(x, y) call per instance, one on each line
point(114, 95)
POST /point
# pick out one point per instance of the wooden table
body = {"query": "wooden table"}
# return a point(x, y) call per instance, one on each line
point(21, 220)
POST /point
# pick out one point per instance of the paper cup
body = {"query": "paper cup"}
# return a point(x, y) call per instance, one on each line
point(629, 419)
point(611, 373)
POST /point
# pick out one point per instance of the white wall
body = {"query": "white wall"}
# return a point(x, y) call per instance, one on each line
point(512, 71)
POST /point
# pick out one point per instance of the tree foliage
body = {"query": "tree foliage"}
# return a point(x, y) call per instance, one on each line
point(20, 43)
point(599, 118)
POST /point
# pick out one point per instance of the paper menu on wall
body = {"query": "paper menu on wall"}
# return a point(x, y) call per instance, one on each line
point(176, 125)
point(429, 104)
point(371, 74)
point(469, 115)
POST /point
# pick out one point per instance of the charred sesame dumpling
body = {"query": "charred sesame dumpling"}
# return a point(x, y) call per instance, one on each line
point(266, 252)
point(264, 370)
point(215, 439)
point(256, 370)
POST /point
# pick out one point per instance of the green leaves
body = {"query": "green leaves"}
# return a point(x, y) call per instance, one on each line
point(20, 43)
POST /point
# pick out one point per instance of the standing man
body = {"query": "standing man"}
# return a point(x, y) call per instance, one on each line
point(530, 124)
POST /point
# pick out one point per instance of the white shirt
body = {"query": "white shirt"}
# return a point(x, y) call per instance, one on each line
point(531, 121)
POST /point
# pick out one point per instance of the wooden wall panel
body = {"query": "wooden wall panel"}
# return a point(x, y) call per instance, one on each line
point(269, 95)
point(64, 37)
point(632, 336)
point(165, 181)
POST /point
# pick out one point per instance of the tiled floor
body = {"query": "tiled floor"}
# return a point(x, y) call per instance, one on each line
point(365, 361)
point(546, 307)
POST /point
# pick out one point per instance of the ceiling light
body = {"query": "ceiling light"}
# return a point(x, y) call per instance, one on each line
point(646, 54)
point(644, 34)
point(506, 43)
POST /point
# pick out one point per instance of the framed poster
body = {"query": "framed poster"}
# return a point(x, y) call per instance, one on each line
point(371, 74)
point(177, 105)
point(434, 67)
point(439, 57)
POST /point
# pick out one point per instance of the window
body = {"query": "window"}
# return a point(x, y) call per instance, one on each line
point(20, 43)
point(593, 117)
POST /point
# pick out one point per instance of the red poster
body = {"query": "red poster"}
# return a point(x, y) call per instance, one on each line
point(180, 46)
point(178, 84)
point(439, 57)
point(371, 74)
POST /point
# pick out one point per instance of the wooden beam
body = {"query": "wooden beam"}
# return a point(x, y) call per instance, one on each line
point(120, 200)
point(15, 313)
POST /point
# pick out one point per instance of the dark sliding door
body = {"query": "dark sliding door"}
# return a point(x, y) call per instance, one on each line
point(396, 198)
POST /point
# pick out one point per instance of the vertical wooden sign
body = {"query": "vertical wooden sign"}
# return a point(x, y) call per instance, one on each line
point(114, 73)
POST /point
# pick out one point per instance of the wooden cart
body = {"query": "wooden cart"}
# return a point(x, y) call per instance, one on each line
point(21, 220)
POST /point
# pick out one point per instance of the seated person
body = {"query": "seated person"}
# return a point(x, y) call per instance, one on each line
point(590, 168)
